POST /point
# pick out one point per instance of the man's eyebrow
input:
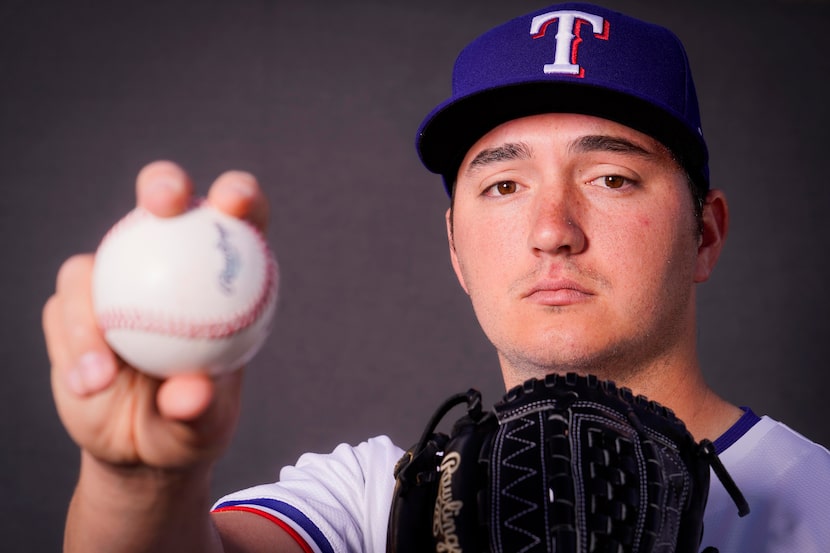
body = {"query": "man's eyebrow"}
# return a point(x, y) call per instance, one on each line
point(608, 143)
point(508, 151)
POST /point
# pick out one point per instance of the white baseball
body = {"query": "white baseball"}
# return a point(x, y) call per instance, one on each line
point(195, 292)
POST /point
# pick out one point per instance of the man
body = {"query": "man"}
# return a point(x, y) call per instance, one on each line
point(581, 221)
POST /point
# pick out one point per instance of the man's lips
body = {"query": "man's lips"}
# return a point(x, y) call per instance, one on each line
point(557, 292)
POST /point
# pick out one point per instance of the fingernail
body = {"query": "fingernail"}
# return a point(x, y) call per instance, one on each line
point(92, 373)
point(74, 381)
point(167, 183)
point(243, 184)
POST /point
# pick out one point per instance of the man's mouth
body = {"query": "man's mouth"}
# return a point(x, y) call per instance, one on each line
point(557, 292)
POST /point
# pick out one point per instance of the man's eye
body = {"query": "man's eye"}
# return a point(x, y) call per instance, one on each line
point(611, 181)
point(502, 188)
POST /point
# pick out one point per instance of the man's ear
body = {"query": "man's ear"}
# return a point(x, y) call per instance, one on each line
point(453, 255)
point(715, 225)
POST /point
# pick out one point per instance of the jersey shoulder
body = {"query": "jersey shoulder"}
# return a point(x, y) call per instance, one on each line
point(785, 478)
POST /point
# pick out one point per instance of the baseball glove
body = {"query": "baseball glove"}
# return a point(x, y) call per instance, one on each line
point(568, 464)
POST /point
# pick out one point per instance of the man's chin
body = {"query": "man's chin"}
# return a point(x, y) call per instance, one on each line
point(607, 363)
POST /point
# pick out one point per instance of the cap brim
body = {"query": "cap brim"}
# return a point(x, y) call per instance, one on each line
point(453, 127)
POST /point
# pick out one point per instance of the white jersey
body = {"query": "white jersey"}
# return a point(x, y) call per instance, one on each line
point(786, 481)
point(340, 502)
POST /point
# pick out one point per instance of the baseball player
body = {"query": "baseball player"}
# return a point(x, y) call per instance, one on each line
point(581, 220)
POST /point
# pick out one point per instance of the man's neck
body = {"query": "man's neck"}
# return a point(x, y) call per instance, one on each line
point(705, 413)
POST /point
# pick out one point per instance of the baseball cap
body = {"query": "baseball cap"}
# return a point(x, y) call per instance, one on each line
point(569, 58)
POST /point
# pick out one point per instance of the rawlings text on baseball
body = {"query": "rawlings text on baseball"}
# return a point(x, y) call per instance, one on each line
point(195, 292)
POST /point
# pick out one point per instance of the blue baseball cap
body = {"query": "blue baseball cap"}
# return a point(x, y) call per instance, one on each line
point(569, 58)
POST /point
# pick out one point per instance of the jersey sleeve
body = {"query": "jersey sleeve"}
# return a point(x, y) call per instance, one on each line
point(786, 480)
point(329, 503)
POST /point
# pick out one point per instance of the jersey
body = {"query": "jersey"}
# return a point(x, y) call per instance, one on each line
point(339, 502)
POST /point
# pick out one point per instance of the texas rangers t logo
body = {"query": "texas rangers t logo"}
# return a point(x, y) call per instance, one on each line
point(568, 37)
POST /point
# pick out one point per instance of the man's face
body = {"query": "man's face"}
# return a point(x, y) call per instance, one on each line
point(576, 240)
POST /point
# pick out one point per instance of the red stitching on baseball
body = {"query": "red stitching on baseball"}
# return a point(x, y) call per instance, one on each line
point(139, 319)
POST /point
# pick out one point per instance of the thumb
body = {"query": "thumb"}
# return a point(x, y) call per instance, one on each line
point(185, 397)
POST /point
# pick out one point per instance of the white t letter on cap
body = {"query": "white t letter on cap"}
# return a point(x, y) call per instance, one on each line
point(565, 36)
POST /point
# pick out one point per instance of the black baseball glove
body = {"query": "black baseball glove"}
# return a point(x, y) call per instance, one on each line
point(568, 464)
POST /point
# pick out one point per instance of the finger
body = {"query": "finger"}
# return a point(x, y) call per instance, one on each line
point(206, 408)
point(163, 188)
point(238, 193)
point(56, 347)
point(89, 374)
point(185, 397)
point(193, 418)
point(79, 353)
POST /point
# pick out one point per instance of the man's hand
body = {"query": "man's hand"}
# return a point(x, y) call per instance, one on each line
point(127, 424)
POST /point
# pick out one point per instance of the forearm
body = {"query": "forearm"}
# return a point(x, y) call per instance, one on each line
point(119, 510)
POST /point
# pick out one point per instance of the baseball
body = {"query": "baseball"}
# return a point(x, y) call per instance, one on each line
point(195, 292)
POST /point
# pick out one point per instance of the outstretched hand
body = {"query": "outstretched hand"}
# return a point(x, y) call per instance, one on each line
point(120, 416)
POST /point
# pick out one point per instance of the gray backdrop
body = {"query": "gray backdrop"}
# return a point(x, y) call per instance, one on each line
point(321, 100)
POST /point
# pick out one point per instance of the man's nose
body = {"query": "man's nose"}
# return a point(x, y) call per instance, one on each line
point(556, 223)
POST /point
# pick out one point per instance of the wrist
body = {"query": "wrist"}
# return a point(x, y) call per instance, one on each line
point(138, 483)
point(140, 508)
